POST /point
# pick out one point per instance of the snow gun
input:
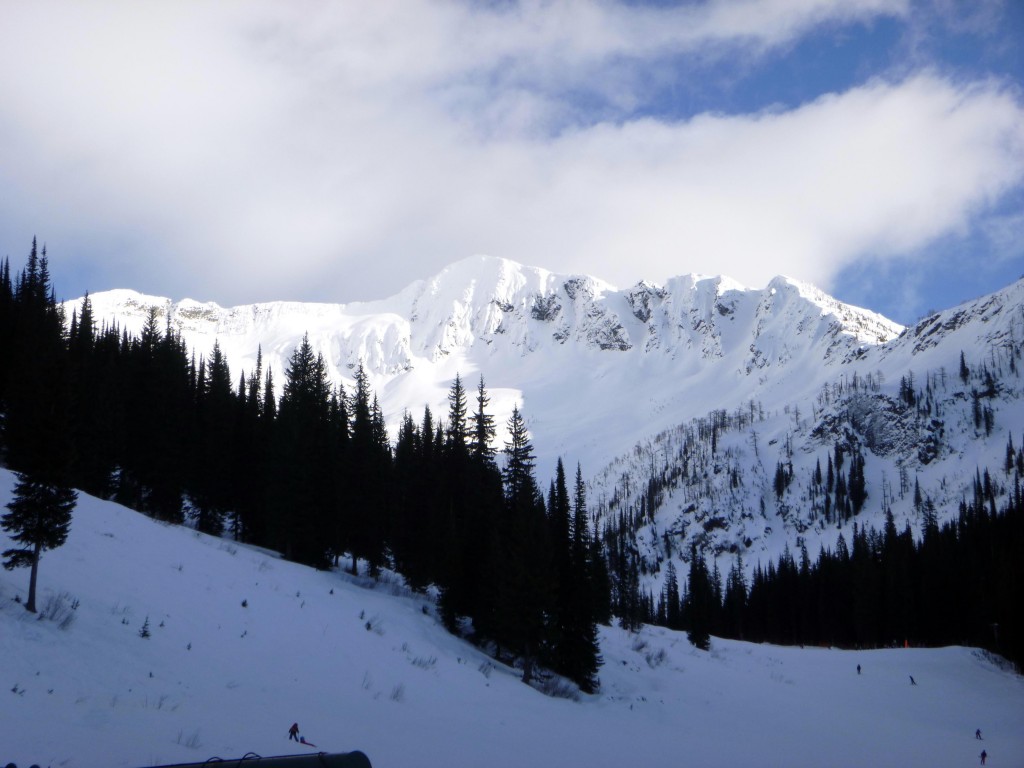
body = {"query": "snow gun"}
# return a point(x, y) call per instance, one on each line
point(319, 760)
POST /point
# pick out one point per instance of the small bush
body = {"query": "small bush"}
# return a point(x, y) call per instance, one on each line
point(558, 688)
point(60, 609)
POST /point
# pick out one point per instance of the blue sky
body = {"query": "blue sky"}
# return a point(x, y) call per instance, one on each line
point(252, 151)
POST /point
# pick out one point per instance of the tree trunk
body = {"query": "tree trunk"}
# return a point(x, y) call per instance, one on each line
point(31, 604)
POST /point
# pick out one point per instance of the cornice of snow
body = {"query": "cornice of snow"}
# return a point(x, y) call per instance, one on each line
point(483, 300)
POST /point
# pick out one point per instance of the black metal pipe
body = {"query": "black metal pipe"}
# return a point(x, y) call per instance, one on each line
point(319, 760)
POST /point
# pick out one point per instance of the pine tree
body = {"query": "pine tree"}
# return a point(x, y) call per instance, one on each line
point(565, 594)
point(590, 603)
point(483, 426)
point(458, 435)
point(369, 465)
point(700, 596)
point(37, 422)
point(39, 519)
point(212, 476)
point(673, 606)
point(303, 461)
point(525, 562)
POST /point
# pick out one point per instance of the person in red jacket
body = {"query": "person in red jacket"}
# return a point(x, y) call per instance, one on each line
point(293, 732)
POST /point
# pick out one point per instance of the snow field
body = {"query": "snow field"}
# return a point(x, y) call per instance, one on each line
point(371, 669)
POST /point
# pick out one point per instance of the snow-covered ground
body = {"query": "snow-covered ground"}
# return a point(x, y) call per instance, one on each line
point(371, 669)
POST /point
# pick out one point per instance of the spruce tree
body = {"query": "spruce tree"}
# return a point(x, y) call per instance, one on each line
point(302, 460)
point(39, 519)
point(525, 562)
point(590, 602)
point(700, 597)
point(368, 476)
point(483, 426)
point(565, 589)
point(36, 425)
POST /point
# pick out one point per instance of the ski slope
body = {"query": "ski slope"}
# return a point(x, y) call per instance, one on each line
point(369, 667)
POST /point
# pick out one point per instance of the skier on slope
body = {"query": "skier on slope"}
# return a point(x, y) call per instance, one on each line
point(984, 755)
point(293, 732)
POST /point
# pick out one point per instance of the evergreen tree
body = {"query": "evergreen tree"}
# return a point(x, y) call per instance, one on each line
point(700, 597)
point(36, 424)
point(458, 433)
point(212, 486)
point(735, 602)
point(591, 603)
point(303, 461)
point(565, 590)
point(524, 562)
point(39, 519)
point(483, 426)
point(367, 481)
point(673, 605)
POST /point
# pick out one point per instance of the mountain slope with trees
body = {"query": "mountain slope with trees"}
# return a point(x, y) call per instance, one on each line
point(692, 528)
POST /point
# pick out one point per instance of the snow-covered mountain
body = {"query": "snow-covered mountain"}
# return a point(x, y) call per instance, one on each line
point(681, 401)
point(593, 368)
point(933, 414)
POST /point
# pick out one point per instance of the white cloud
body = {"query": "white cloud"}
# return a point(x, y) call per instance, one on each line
point(335, 151)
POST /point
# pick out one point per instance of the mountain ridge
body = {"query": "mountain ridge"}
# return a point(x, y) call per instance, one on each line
point(501, 319)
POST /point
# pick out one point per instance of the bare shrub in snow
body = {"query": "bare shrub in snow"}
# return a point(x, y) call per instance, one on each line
point(557, 688)
point(60, 609)
point(191, 741)
point(655, 658)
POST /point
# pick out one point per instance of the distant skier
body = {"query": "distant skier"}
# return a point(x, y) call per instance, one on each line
point(293, 732)
point(977, 734)
point(912, 680)
point(858, 669)
point(984, 755)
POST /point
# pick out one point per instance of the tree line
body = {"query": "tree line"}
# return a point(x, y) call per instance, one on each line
point(961, 583)
point(312, 474)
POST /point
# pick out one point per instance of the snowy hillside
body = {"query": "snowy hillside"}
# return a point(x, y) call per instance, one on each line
point(594, 368)
point(929, 413)
point(242, 644)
